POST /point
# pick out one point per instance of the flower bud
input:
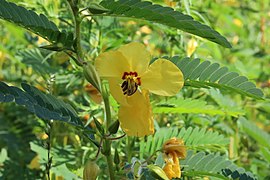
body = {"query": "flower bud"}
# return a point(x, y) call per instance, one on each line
point(91, 76)
point(90, 171)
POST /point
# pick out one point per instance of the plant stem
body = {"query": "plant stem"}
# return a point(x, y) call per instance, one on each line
point(110, 165)
point(128, 149)
point(77, 21)
point(108, 122)
point(78, 38)
point(107, 108)
point(80, 62)
point(49, 158)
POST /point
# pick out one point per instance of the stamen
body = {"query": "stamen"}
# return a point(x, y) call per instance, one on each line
point(130, 83)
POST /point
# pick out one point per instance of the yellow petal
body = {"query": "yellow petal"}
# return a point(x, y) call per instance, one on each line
point(112, 65)
point(168, 170)
point(172, 166)
point(175, 145)
point(137, 56)
point(162, 78)
point(116, 91)
point(136, 118)
point(176, 165)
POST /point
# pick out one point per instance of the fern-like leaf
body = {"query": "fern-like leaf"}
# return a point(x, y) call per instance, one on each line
point(205, 74)
point(36, 59)
point(38, 24)
point(238, 174)
point(163, 15)
point(195, 106)
point(194, 138)
point(214, 165)
point(255, 132)
point(45, 106)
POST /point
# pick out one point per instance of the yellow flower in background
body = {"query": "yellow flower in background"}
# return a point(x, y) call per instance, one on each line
point(238, 22)
point(191, 47)
point(131, 78)
point(173, 150)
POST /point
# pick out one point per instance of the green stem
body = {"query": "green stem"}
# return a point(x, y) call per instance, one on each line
point(128, 149)
point(110, 165)
point(80, 62)
point(77, 21)
point(78, 38)
point(108, 123)
point(107, 111)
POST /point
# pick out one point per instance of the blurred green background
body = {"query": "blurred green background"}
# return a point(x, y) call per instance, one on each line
point(23, 141)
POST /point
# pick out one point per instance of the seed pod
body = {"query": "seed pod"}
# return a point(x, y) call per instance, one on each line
point(114, 127)
point(116, 158)
point(91, 170)
point(91, 76)
point(99, 126)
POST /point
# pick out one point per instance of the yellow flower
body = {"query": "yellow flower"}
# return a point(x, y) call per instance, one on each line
point(173, 150)
point(191, 47)
point(131, 78)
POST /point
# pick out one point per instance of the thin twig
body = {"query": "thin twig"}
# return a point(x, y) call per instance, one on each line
point(49, 158)
point(116, 138)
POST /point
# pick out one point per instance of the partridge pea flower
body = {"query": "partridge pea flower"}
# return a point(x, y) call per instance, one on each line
point(131, 77)
point(173, 150)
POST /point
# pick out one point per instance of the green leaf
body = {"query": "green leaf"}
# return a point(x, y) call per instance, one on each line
point(238, 173)
point(194, 138)
point(266, 153)
point(163, 15)
point(255, 132)
point(38, 24)
point(201, 164)
point(206, 74)
point(96, 8)
point(45, 106)
point(38, 61)
point(158, 171)
point(196, 106)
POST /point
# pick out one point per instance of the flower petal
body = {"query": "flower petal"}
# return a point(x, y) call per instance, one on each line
point(172, 166)
point(137, 55)
point(162, 78)
point(175, 145)
point(136, 119)
point(176, 165)
point(116, 91)
point(112, 64)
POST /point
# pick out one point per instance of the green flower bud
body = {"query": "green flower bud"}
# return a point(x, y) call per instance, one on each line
point(91, 76)
point(91, 171)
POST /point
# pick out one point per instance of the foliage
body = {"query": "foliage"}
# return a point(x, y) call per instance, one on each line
point(38, 24)
point(53, 121)
point(195, 138)
point(44, 106)
point(206, 74)
point(213, 165)
point(192, 106)
point(164, 15)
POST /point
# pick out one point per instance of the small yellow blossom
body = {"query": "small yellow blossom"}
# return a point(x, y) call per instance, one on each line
point(145, 30)
point(131, 78)
point(173, 150)
point(191, 46)
point(238, 22)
